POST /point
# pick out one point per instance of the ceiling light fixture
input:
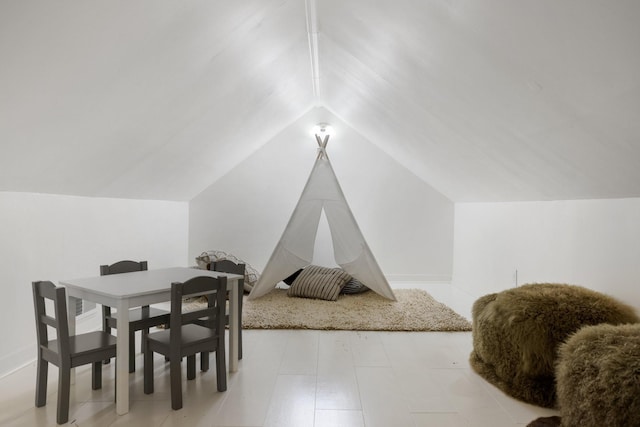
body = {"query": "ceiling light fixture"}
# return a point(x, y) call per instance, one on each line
point(322, 132)
point(322, 129)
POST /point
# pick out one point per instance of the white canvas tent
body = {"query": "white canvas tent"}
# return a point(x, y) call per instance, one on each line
point(295, 248)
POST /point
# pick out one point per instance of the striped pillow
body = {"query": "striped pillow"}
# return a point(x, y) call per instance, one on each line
point(354, 286)
point(319, 282)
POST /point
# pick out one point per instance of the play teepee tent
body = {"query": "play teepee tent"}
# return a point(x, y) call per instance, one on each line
point(295, 248)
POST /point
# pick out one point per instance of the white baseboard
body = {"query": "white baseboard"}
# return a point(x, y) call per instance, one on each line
point(423, 278)
point(16, 360)
point(21, 357)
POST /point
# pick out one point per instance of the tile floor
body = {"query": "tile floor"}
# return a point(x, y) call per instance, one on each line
point(298, 378)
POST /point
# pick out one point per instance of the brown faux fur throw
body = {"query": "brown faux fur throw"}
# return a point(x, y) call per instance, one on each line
point(598, 377)
point(545, 422)
point(516, 334)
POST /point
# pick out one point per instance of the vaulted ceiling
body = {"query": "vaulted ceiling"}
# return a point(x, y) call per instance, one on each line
point(490, 100)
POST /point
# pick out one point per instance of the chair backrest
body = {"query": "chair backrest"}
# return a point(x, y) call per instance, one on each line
point(42, 291)
point(227, 266)
point(214, 288)
point(123, 267)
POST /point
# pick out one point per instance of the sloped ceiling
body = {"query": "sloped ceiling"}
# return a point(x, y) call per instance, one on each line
point(490, 100)
point(150, 99)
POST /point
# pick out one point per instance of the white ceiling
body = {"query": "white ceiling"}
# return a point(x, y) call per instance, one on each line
point(486, 100)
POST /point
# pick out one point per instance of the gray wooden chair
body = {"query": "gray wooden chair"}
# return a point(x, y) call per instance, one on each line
point(140, 318)
point(227, 266)
point(66, 351)
point(186, 339)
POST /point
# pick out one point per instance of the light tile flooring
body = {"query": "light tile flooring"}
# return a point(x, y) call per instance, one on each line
point(298, 378)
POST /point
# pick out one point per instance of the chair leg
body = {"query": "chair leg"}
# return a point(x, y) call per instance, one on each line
point(132, 351)
point(191, 367)
point(148, 371)
point(107, 329)
point(204, 361)
point(41, 382)
point(176, 383)
point(64, 390)
point(115, 381)
point(96, 376)
point(221, 369)
point(143, 344)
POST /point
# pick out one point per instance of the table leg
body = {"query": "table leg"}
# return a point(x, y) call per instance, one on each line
point(122, 359)
point(234, 325)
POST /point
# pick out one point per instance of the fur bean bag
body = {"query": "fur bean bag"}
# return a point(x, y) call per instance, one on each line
point(598, 377)
point(516, 334)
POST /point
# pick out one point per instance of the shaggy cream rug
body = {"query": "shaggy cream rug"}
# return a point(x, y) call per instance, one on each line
point(415, 310)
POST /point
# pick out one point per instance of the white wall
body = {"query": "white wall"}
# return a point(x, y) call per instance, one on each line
point(593, 243)
point(50, 237)
point(407, 224)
